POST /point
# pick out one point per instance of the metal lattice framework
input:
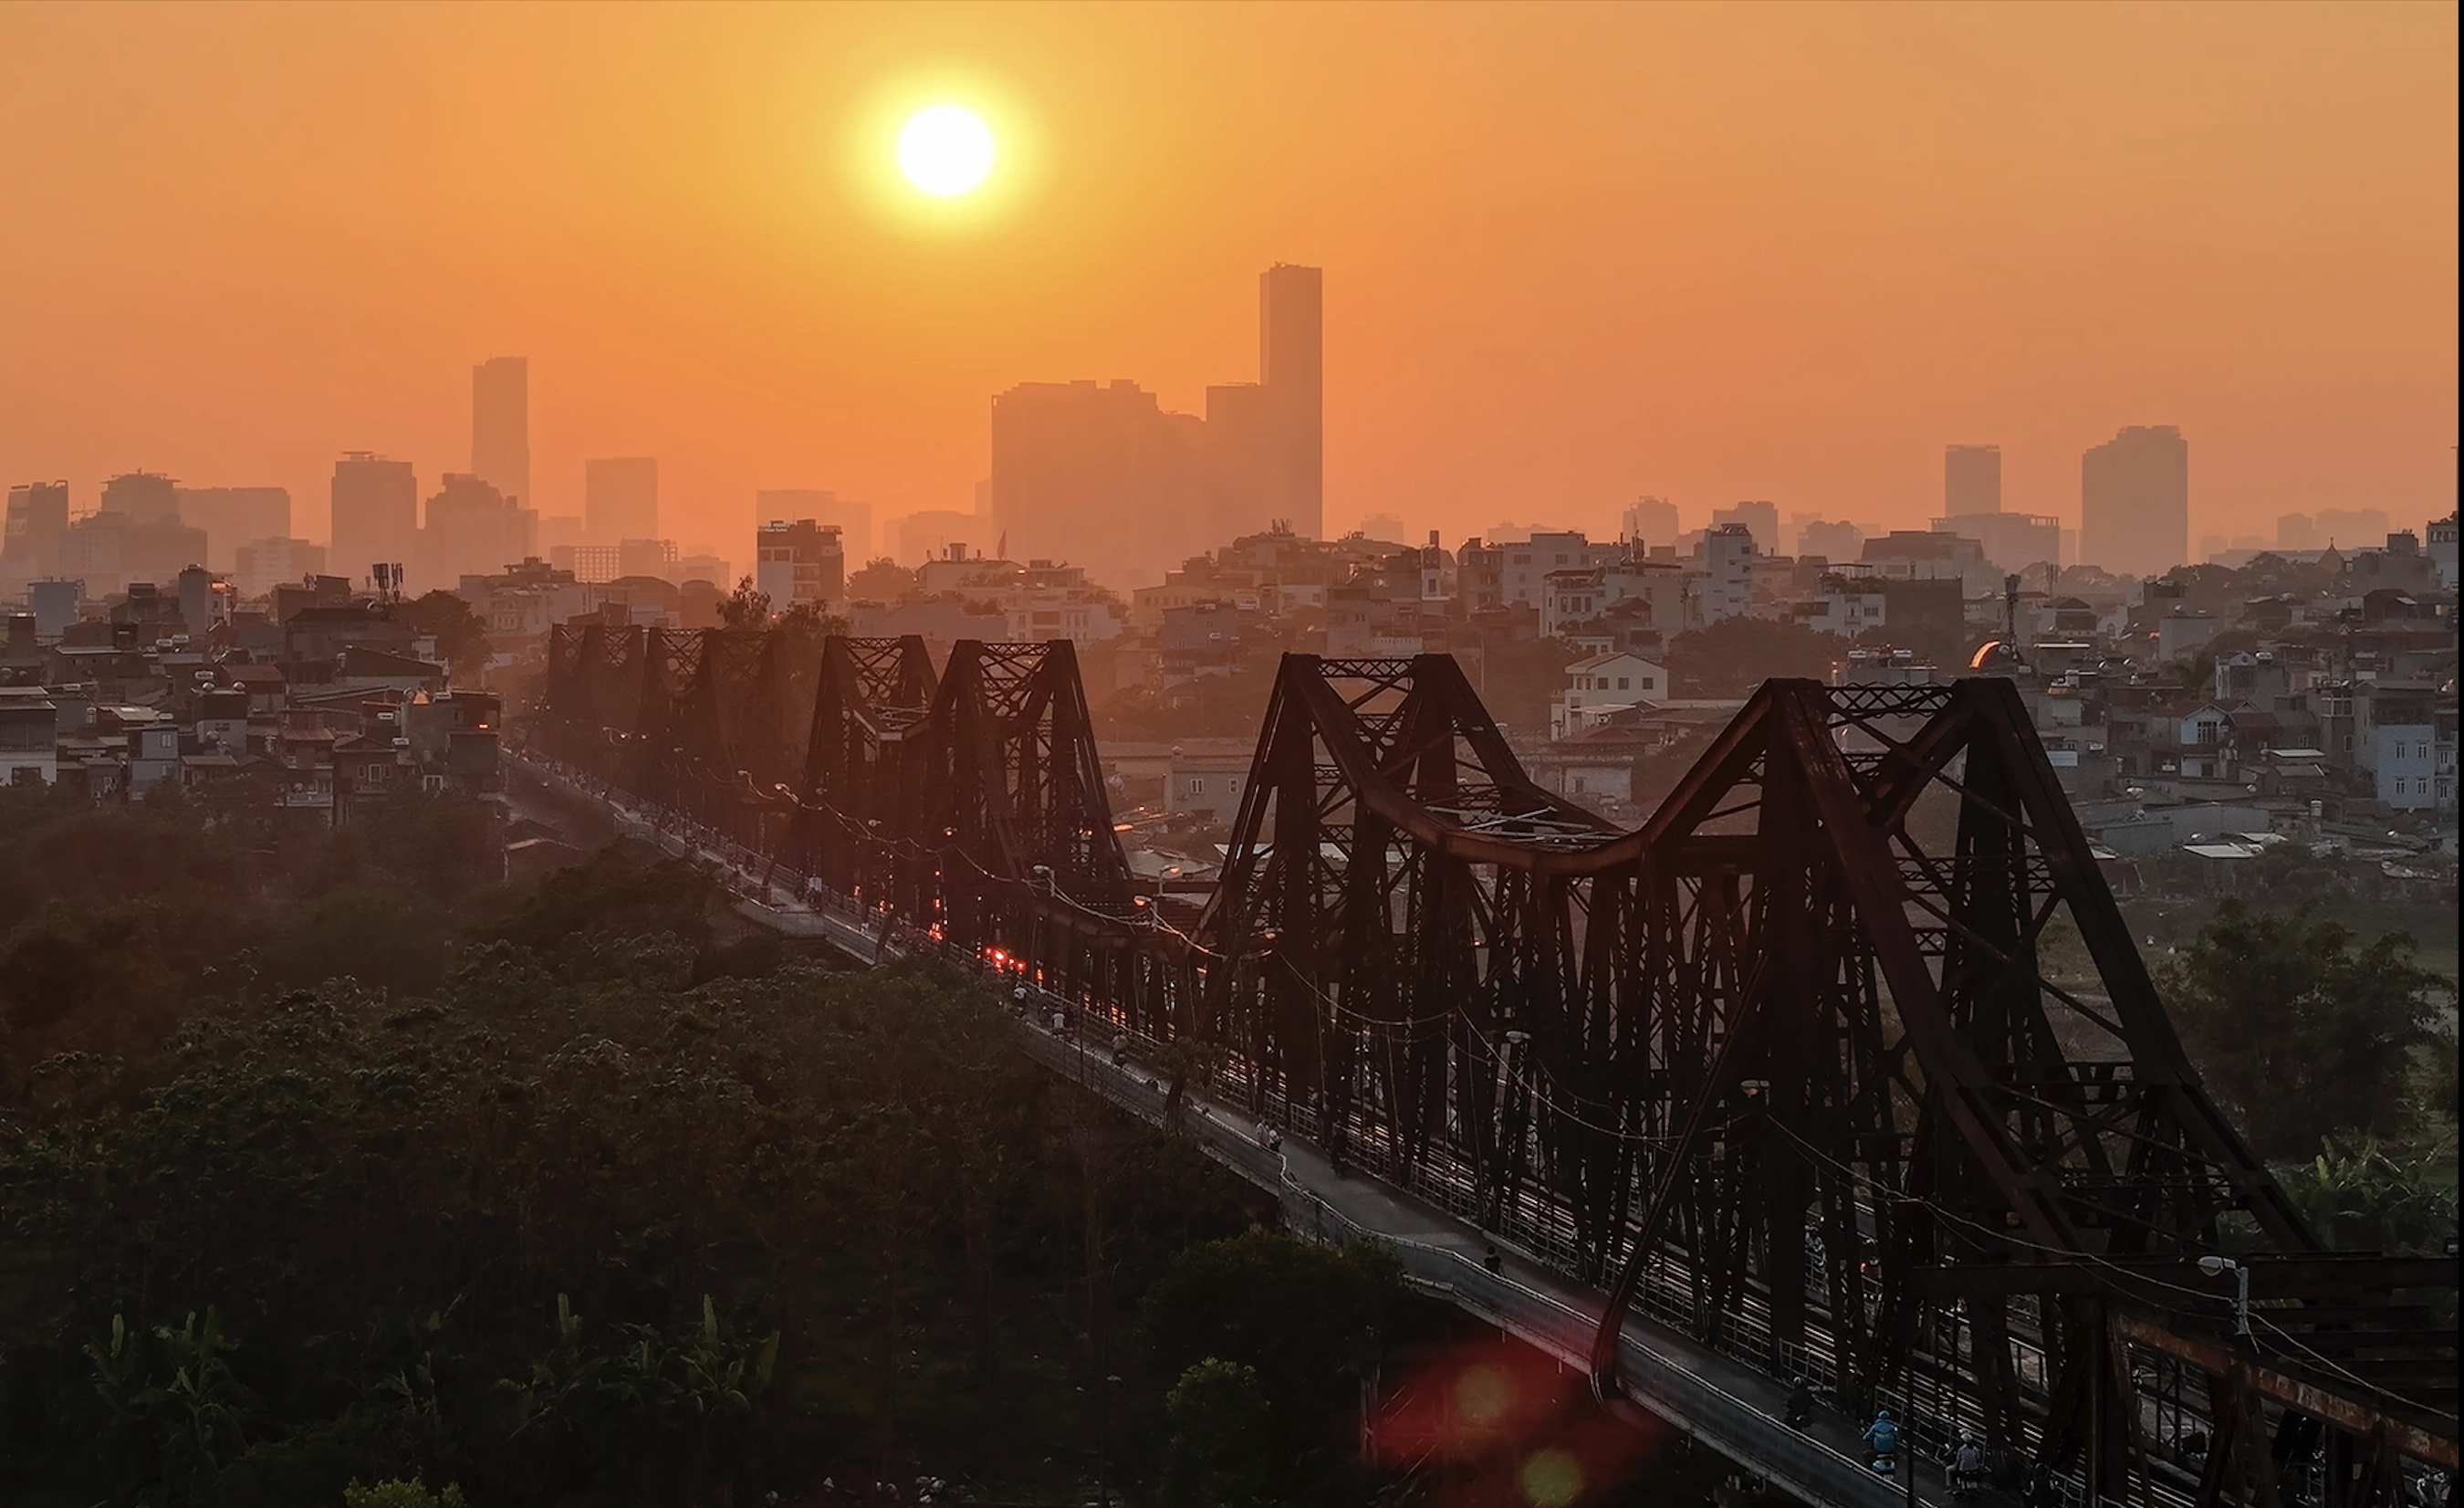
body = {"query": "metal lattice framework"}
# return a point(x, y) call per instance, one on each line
point(1799, 1063)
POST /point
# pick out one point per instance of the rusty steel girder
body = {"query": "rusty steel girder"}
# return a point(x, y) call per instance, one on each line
point(1844, 1059)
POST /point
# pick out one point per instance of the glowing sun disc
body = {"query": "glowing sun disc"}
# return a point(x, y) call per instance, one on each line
point(945, 150)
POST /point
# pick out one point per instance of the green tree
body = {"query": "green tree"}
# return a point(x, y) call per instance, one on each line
point(461, 636)
point(1734, 655)
point(2300, 1035)
point(1216, 1439)
point(747, 606)
point(880, 580)
point(2363, 1200)
point(1292, 1313)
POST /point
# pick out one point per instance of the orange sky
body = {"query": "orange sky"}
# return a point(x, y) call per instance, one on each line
point(1571, 255)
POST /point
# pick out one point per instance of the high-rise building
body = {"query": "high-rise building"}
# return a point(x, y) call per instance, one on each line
point(620, 499)
point(1761, 519)
point(267, 563)
point(39, 514)
point(1291, 367)
point(376, 516)
point(1726, 589)
point(2135, 501)
point(234, 515)
point(645, 557)
point(472, 529)
point(800, 563)
point(854, 518)
point(1104, 476)
point(1971, 480)
point(141, 497)
point(1100, 476)
point(1651, 520)
point(1833, 541)
point(2297, 531)
point(2011, 540)
point(501, 426)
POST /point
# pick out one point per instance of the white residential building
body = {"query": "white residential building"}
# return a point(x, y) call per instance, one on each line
point(1603, 684)
point(1728, 581)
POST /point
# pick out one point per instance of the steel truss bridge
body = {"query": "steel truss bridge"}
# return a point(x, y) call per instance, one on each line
point(1844, 1062)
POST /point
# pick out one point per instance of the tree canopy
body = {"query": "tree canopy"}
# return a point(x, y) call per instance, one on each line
point(2300, 1033)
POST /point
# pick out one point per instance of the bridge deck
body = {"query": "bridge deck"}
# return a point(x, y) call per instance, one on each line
point(1728, 1408)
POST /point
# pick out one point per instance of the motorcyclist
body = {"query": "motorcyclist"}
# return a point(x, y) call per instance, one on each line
point(1882, 1436)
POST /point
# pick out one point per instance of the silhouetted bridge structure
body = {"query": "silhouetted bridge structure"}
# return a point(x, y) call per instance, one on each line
point(1787, 1083)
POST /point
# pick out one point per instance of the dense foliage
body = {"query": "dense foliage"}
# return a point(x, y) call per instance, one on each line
point(2303, 1034)
point(588, 1202)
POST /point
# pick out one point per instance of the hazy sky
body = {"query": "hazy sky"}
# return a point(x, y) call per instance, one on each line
point(1570, 255)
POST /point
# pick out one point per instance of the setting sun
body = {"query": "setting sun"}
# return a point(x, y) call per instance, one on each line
point(945, 150)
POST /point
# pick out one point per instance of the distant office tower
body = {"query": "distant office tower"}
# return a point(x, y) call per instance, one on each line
point(2012, 541)
point(1243, 484)
point(1102, 475)
point(472, 529)
point(2297, 531)
point(1762, 519)
point(39, 514)
point(267, 563)
point(1835, 541)
point(1099, 476)
point(1971, 480)
point(141, 497)
point(111, 550)
point(1291, 367)
point(799, 564)
point(376, 516)
point(854, 518)
point(2135, 501)
point(501, 426)
point(645, 557)
point(234, 515)
point(1651, 520)
point(620, 499)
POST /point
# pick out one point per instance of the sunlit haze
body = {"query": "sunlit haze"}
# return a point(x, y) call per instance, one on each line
point(1571, 256)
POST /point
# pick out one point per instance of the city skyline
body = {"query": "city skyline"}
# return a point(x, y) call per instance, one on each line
point(1499, 343)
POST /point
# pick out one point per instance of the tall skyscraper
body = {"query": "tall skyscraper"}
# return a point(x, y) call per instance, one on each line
point(376, 514)
point(2135, 501)
point(501, 426)
point(141, 497)
point(472, 529)
point(620, 499)
point(1100, 476)
point(854, 518)
point(1291, 367)
point(1971, 480)
point(39, 514)
point(1104, 476)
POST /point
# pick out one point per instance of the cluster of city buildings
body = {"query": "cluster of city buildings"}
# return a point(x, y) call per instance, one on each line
point(2315, 668)
point(310, 708)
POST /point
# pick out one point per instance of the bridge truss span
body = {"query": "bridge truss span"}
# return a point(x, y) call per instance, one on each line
point(1843, 1060)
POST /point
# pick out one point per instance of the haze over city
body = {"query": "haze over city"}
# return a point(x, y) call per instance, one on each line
point(1570, 257)
point(1592, 754)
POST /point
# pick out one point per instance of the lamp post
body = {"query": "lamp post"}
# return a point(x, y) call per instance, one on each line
point(2217, 1266)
